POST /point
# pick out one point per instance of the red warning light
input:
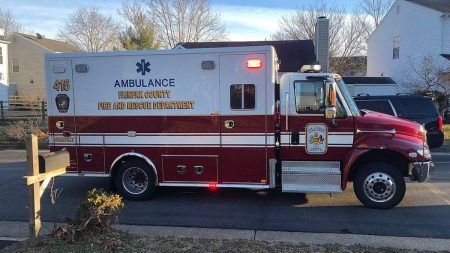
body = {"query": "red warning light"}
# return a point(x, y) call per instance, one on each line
point(254, 63)
point(212, 186)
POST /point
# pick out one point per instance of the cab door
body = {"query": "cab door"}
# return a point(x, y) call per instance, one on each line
point(61, 109)
point(311, 137)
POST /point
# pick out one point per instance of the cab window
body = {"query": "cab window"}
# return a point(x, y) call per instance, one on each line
point(309, 98)
point(242, 96)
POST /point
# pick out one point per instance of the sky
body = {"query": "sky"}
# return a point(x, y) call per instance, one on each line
point(243, 19)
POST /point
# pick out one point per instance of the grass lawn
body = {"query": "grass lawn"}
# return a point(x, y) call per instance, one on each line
point(124, 242)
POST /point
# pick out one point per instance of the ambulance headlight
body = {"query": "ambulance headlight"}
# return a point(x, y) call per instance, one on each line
point(425, 153)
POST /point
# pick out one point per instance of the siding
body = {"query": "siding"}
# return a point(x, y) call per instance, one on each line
point(31, 62)
point(4, 73)
point(420, 31)
point(446, 34)
point(373, 89)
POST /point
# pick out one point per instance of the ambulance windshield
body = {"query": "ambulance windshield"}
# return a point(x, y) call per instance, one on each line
point(347, 97)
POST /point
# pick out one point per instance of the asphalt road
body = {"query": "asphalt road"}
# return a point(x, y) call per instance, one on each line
point(424, 212)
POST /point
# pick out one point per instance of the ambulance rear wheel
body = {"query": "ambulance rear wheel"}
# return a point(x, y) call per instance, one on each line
point(135, 180)
point(379, 185)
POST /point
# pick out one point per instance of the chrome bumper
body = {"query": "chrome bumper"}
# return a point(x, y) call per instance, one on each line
point(420, 171)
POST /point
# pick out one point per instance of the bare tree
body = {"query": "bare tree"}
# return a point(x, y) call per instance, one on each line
point(428, 75)
point(140, 34)
point(300, 24)
point(376, 9)
point(8, 23)
point(348, 33)
point(91, 30)
point(351, 43)
point(185, 21)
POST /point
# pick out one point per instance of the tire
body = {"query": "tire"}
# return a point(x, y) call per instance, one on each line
point(135, 180)
point(379, 185)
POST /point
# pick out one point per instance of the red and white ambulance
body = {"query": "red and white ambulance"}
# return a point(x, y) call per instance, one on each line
point(221, 117)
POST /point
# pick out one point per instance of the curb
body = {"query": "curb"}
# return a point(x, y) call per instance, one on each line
point(13, 239)
point(18, 230)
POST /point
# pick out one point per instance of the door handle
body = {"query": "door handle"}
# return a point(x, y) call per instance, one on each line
point(229, 123)
point(87, 157)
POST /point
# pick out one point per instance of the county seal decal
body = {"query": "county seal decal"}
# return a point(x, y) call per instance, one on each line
point(62, 103)
point(316, 138)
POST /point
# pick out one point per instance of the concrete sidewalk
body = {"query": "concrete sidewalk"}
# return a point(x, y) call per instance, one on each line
point(16, 155)
point(13, 230)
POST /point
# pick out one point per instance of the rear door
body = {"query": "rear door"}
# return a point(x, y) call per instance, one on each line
point(243, 122)
point(61, 109)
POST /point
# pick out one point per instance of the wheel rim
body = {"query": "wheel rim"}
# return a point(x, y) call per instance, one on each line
point(379, 187)
point(135, 180)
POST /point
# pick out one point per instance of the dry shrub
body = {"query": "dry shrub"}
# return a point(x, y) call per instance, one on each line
point(21, 130)
point(96, 215)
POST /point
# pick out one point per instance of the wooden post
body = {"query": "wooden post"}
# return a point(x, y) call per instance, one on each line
point(34, 198)
point(43, 110)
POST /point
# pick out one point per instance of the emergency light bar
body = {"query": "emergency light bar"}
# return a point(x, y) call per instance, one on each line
point(310, 68)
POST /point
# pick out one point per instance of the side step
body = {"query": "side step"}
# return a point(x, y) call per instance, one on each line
point(311, 176)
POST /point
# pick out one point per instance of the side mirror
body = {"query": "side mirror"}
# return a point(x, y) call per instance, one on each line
point(330, 99)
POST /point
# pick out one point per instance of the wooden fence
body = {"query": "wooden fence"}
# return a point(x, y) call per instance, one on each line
point(22, 108)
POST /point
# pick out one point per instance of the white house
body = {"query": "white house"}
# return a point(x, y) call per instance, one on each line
point(26, 59)
point(410, 31)
point(3, 67)
point(370, 85)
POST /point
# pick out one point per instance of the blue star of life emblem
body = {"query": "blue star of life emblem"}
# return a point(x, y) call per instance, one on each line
point(143, 67)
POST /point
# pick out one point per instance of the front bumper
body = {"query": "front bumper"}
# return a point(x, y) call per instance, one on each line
point(420, 171)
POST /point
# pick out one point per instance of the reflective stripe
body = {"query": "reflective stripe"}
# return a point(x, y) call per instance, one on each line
point(197, 140)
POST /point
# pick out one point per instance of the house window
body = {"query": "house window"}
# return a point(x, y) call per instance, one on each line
point(396, 50)
point(242, 96)
point(1, 55)
point(15, 65)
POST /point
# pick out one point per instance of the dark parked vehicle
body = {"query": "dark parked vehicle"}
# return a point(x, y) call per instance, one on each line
point(412, 107)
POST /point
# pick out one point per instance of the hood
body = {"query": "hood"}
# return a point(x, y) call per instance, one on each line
point(375, 121)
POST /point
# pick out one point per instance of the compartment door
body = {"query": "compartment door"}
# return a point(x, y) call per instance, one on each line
point(243, 154)
point(186, 168)
point(61, 109)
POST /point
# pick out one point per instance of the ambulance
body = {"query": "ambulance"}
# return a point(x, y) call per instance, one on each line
point(223, 118)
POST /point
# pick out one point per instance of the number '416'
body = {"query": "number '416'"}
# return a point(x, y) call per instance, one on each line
point(62, 85)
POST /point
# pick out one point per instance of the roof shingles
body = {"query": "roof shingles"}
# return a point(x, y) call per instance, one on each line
point(53, 45)
point(293, 54)
point(437, 5)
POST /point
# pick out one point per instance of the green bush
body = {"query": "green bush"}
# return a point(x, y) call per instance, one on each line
point(99, 210)
point(96, 214)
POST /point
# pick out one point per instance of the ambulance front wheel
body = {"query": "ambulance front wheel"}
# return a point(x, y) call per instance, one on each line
point(379, 185)
point(135, 180)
